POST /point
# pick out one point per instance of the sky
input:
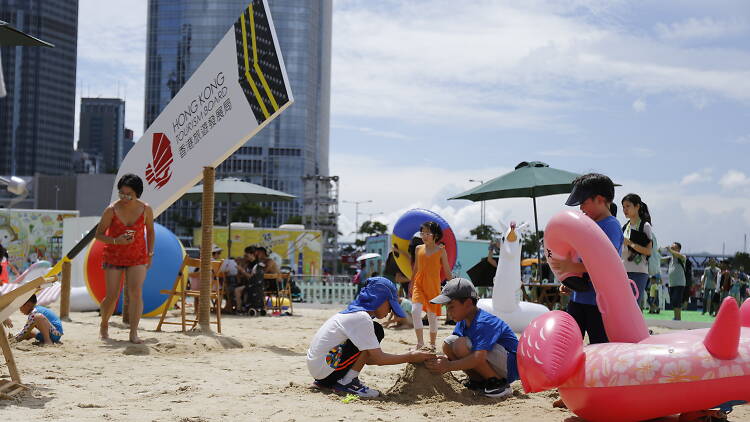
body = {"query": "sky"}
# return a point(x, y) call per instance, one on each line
point(427, 95)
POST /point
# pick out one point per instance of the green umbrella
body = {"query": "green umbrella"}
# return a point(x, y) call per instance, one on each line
point(233, 189)
point(529, 180)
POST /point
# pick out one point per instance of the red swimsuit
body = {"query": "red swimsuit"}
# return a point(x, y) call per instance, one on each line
point(127, 255)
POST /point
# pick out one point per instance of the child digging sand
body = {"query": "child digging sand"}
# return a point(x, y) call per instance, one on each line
point(42, 324)
point(482, 345)
point(350, 340)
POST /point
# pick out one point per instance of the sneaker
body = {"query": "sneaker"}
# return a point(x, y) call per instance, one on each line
point(356, 387)
point(320, 385)
point(473, 385)
point(497, 388)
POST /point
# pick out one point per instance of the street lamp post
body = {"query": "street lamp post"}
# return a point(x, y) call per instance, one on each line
point(371, 214)
point(481, 205)
point(356, 215)
point(57, 193)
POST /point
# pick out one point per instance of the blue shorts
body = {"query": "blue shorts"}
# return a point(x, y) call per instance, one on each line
point(55, 339)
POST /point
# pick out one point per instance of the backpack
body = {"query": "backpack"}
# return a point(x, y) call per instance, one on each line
point(654, 260)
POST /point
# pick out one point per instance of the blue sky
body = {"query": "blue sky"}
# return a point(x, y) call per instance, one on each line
point(426, 95)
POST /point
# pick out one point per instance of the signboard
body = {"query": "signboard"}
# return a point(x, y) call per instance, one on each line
point(29, 235)
point(240, 87)
point(302, 250)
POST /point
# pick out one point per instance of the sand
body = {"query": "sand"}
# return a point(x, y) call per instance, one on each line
point(254, 371)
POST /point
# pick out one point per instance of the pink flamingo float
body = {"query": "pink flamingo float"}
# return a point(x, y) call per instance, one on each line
point(637, 376)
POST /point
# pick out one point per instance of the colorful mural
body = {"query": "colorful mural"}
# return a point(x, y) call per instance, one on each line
point(29, 235)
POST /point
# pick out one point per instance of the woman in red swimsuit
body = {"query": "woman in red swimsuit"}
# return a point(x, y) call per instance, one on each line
point(127, 229)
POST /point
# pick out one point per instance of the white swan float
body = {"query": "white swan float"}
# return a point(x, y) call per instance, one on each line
point(505, 303)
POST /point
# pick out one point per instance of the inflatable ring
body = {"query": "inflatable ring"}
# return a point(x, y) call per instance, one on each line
point(409, 224)
point(168, 255)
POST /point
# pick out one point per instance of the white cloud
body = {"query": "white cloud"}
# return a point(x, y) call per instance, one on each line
point(112, 56)
point(375, 132)
point(742, 140)
point(702, 29)
point(523, 65)
point(697, 177)
point(639, 105)
point(734, 179)
point(700, 221)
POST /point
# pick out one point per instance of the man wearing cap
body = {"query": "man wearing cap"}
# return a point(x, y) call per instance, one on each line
point(482, 345)
point(351, 339)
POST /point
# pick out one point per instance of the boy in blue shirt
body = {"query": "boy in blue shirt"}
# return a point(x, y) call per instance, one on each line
point(482, 345)
point(42, 324)
point(594, 194)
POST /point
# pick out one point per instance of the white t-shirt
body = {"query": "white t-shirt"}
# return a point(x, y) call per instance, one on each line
point(229, 267)
point(633, 266)
point(356, 326)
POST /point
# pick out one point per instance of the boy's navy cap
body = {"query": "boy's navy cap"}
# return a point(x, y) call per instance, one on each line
point(579, 195)
point(458, 288)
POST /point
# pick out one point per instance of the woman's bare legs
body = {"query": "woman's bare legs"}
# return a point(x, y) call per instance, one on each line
point(135, 276)
point(107, 307)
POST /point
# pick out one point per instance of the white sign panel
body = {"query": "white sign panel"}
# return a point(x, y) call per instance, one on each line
point(240, 87)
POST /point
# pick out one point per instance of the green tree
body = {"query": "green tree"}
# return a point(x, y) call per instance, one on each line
point(530, 242)
point(372, 228)
point(247, 211)
point(483, 232)
point(294, 219)
point(740, 260)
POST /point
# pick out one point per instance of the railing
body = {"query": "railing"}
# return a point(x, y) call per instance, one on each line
point(326, 289)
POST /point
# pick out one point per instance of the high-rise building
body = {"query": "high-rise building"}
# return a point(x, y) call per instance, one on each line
point(102, 130)
point(128, 143)
point(181, 33)
point(37, 117)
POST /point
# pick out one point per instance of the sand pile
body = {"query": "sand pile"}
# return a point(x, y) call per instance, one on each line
point(418, 385)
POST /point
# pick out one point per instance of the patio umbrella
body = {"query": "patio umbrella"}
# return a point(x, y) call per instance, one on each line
point(368, 256)
point(233, 189)
point(530, 179)
point(12, 36)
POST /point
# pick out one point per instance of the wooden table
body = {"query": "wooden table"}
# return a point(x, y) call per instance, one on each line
point(549, 293)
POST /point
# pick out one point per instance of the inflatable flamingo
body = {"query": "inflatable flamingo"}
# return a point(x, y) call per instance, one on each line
point(637, 376)
point(507, 282)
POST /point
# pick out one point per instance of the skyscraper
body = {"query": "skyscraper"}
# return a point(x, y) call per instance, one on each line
point(37, 117)
point(102, 130)
point(181, 33)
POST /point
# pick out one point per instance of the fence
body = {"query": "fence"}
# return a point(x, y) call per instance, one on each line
point(328, 289)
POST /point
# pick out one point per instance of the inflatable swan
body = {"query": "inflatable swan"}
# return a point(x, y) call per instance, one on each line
point(507, 282)
point(636, 376)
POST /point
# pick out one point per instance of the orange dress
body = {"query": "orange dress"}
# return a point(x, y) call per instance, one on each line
point(427, 280)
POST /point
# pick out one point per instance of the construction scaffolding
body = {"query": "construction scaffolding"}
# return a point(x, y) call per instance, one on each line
point(321, 212)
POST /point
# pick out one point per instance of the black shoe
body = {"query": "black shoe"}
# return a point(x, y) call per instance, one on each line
point(473, 385)
point(497, 388)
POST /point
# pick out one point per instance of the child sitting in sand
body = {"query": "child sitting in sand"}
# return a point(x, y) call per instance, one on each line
point(397, 322)
point(42, 324)
point(350, 340)
point(482, 345)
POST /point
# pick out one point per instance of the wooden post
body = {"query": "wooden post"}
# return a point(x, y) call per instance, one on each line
point(65, 292)
point(8, 353)
point(207, 230)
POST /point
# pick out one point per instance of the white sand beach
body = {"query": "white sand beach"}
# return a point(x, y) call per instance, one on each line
point(255, 370)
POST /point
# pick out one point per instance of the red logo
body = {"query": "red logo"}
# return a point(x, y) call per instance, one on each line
point(159, 171)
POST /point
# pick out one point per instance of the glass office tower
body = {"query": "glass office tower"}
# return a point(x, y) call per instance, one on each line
point(37, 117)
point(181, 34)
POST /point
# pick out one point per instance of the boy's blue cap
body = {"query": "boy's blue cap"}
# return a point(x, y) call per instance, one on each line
point(377, 291)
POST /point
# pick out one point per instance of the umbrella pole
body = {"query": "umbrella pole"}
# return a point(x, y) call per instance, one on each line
point(207, 236)
point(538, 255)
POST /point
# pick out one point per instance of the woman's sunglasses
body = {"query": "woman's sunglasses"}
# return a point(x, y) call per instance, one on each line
point(125, 196)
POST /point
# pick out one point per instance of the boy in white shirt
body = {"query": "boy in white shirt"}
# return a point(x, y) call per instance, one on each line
point(351, 339)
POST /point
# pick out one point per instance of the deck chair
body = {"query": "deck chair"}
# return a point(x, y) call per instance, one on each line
point(180, 293)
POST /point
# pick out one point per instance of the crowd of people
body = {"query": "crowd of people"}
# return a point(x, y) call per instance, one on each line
point(482, 345)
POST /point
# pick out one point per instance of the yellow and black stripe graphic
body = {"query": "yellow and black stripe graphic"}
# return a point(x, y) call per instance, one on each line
point(258, 64)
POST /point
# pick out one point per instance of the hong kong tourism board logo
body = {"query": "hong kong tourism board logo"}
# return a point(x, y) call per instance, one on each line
point(159, 170)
